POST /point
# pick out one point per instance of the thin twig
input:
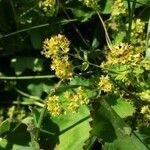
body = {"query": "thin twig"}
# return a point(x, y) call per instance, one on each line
point(74, 26)
point(35, 27)
point(106, 33)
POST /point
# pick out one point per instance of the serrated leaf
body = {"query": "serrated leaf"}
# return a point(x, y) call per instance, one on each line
point(74, 129)
point(120, 106)
point(125, 138)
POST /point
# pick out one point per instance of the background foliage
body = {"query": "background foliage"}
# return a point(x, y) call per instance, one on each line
point(111, 120)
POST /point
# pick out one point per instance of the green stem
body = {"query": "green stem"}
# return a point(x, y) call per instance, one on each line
point(36, 27)
point(42, 114)
point(28, 95)
point(28, 103)
point(148, 41)
point(92, 64)
point(26, 77)
point(131, 14)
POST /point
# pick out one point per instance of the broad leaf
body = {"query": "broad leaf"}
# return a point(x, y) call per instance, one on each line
point(74, 129)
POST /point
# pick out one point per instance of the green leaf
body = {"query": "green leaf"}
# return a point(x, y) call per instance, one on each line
point(5, 126)
point(85, 65)
point(124, 137)
point(36, 38)
point(119, 38)
point(106, 6)
point(3, 143)
point(125, 143)
point(82, 14)
point(19, 147)
point(39, 88)
point(20, 64)
point(18, 135)
point(144, 134)
point(144, 1)
point(74, 129)
point(120, 106)
point(77, 80)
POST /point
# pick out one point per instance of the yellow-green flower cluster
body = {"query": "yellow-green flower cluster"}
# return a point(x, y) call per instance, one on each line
point(105, 84)
point(146, 64)
point(70, 101)
point(76, 100)
point(123, 59)
point(16, 113)
point(137, 28)
point(119, 8)
point(91, 3)
point(137, 33)
point(121, 54)
point(54, 105)
point(48, 6)
point(145, 95)
point(145, 110)
point(57, 48)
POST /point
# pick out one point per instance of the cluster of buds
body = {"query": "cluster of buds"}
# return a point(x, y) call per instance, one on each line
point(48, 6)
point(57, 48)
point(76, 99)
point(91, 3)
point(105, 84)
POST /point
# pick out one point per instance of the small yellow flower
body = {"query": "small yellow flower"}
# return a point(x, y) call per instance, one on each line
point(48, 6)
point(67, 94)
point(105, 84)
point(73, 107)
point(63, 68)
point(56, 45)
point(76, 99)
point(145, 95)
point(145, 109)
point(54, 106)
point(91, 3)
point(119, 8)
point(57, 48)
